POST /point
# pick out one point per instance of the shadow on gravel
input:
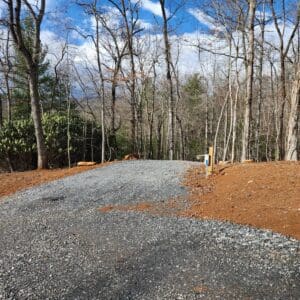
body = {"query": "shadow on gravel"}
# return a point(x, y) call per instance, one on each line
point(169, 269)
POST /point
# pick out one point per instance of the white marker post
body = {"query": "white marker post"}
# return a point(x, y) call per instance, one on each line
point(208, 161)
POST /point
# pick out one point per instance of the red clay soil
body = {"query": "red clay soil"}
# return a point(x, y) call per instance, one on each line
point(166, 208)
point(16, 181)
point(262, 195)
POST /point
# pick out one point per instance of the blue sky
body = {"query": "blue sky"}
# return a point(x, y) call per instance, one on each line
point(187, 20)
point(183, 22)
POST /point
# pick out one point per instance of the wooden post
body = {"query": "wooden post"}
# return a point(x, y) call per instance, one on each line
point(211, 162)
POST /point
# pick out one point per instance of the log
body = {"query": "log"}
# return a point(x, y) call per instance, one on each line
point(85, 163)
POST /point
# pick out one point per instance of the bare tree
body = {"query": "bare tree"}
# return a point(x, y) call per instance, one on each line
point(262, 23)
point(6, 70)
point(92, 10)
point(292, 141)
point(168, 61)
point(32, 58)
point(130, 15)
point(284, 47)
point(249, 89)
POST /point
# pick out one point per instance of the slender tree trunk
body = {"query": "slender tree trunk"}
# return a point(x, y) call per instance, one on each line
point(282, 106)
point(159, 139)
point(102, 92)
point(181, 131)
point(8, 98)
point(68, 126)
point(206, 123)
point(102, 130)
point(227, 137)
point(6, 78)
point(1, 112)
point(292, 140)
point(276, 109)
point(151, 148)
point(37, 119)
point(92, 142)
point(234, 124)
point(234, 113)
point(85, 125)
point(250, 63)
point(218, 126)
point(171, 103)
point(260, 93)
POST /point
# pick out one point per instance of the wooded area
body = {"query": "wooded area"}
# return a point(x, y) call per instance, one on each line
point(129, 93)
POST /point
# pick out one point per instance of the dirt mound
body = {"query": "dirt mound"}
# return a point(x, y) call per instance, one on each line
point(264, 195)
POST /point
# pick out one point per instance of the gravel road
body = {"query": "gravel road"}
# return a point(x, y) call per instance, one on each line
point(56, 244)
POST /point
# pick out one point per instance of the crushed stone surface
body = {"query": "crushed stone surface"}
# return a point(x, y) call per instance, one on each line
point(56, 244)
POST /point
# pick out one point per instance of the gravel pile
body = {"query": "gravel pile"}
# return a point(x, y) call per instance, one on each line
point(55, 244)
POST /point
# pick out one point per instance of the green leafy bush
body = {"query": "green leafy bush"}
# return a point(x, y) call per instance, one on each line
point(17, 143)
point(56, 138)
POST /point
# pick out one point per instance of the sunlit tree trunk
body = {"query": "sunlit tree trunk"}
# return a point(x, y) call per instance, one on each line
point(292, 140)
point(249, 95)
point(171, 103)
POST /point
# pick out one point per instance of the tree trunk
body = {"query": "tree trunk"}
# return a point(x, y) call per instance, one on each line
point(32, 57)
point(248, 102)
point(218, 126)
point(282, 106)
point(171, 104)
point(234, 113)
point(113, 137)
point(8, 98)
point(68, 125)
point(37, 119)
point(1, 112)
point(260, 93)
point(292, 141)
point(159, 139)
point(102, 93)
point(234, 123)
point(102, 131)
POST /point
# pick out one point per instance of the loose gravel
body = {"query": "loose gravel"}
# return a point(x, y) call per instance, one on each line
point(55, 244)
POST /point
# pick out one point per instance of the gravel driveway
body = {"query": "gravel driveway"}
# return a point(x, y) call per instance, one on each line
point(55, 244)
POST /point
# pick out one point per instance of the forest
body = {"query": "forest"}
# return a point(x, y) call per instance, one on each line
point(221, 73)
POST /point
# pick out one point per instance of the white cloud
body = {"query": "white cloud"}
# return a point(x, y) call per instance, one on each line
point(153, 7)
point(144, 24)
point(54, 45)
point(205, 19)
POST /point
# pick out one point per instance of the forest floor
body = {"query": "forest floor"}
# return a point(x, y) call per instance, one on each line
point(263, 195)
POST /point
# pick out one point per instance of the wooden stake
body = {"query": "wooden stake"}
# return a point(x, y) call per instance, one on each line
point(211, 162)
